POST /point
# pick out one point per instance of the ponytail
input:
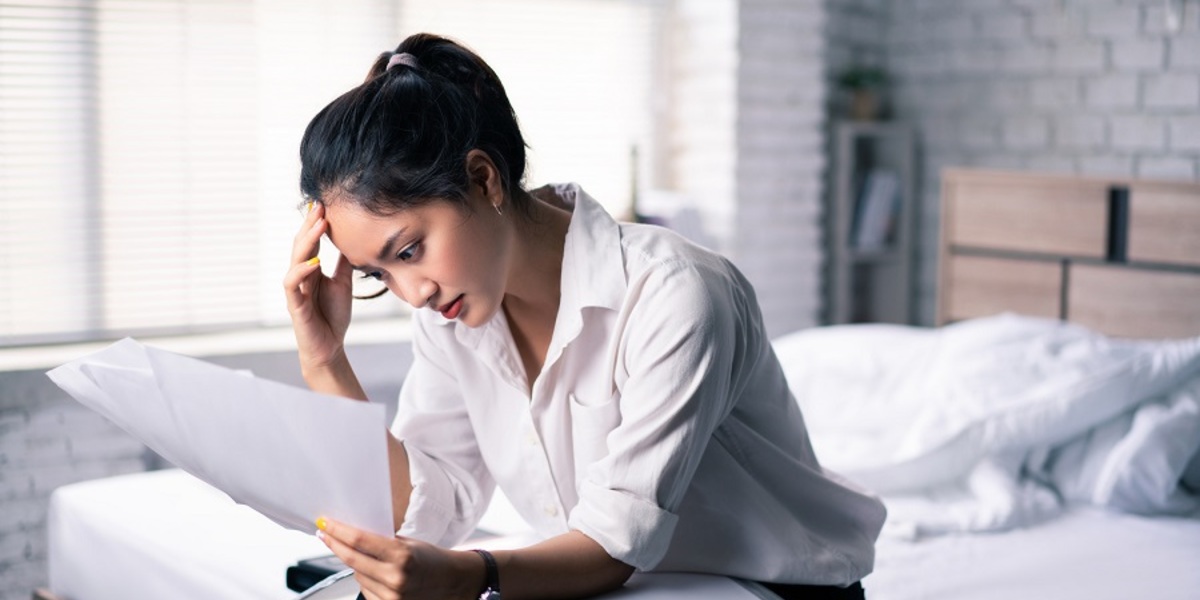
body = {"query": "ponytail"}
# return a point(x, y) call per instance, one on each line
point(401, 137)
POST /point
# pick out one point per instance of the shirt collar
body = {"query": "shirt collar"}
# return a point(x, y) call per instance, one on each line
point(593, 270)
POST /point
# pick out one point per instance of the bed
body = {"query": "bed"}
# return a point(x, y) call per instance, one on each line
point(1043, 442)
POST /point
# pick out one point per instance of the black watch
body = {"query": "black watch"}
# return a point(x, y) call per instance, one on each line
point(491, 590)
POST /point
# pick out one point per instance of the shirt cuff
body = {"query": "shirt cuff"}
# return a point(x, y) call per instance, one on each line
point(430, 513)
point(631, 529)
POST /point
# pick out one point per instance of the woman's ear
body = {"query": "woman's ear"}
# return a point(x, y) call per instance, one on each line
point(483, 177)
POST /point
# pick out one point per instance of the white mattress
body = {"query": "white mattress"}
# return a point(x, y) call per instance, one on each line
point(1085, 554)
point(166, 534)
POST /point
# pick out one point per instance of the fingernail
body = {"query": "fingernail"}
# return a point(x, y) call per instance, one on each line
point(308, 206)
point(320, 535)
point(316, 260)
point(321, 524)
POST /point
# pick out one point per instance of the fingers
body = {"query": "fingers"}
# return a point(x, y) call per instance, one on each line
point(307, 242)
point(374, 590)
point(363, 565)
point(374, 546)
point(377, 561)
point(300, 281)
point(298, 284)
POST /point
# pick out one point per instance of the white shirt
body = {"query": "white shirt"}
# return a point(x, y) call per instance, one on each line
point(660, 426)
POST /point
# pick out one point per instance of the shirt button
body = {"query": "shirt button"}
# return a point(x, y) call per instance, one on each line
point(551, 510)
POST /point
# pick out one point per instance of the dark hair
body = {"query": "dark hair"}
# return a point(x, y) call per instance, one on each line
point(401, 137)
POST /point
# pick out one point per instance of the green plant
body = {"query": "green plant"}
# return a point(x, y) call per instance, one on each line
point(862, 78)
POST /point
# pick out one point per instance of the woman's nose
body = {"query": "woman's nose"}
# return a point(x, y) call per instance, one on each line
point(417, 291)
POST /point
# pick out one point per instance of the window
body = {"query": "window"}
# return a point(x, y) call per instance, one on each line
point(148, 148)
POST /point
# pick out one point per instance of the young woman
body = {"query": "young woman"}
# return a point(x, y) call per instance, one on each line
point(613, 379)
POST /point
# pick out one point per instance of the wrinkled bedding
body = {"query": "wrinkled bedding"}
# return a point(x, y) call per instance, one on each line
point(1000, 422)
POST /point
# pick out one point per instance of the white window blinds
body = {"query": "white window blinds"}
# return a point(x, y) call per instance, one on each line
point(148, 148)
point(47, 175)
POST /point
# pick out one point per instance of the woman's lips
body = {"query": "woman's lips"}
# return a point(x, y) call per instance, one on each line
point(450, 311)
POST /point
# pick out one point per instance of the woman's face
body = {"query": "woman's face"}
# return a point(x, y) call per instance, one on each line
point(437, 255)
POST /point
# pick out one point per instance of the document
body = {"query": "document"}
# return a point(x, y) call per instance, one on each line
point(291, 454)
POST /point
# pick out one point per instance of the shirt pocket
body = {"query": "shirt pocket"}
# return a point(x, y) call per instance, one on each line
point(590, 425)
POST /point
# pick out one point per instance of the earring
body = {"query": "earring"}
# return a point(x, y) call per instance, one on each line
point(498, 211)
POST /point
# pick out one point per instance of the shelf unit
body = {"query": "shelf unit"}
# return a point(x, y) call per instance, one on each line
point(870, 285)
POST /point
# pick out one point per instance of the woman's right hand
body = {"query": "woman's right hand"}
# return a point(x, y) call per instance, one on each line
point(319, 305)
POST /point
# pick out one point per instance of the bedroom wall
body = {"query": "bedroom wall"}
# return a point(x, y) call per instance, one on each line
point(1070, 86)
point(745, 138)
point(780, 163)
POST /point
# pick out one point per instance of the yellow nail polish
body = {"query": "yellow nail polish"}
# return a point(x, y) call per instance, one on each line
point(316, 260)
point(308, 206)
point(322, 523)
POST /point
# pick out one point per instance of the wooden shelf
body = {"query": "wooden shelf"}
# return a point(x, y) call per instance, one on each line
point(871, 285)
point(890, 255)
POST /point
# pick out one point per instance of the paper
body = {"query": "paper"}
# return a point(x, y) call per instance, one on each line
point(291, 454)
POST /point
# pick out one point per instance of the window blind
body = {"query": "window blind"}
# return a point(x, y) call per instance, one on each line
point(47, 88)
point(148, 148)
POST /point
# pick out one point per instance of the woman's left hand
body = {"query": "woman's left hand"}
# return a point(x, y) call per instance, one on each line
point(391, 568)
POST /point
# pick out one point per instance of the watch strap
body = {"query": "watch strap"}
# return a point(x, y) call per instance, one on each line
point(492, 589)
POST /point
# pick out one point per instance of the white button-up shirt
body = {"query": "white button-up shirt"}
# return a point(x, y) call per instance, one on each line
point(660, 426)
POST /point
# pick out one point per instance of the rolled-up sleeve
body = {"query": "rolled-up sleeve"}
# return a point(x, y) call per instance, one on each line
point(676, 360)
point(451, 485)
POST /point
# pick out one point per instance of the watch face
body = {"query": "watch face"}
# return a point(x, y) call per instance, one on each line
point(489, 594)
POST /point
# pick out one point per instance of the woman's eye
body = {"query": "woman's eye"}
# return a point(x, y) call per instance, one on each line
point(410, 252)
point(376, 275)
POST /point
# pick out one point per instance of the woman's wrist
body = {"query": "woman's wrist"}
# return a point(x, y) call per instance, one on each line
point(472, 573)
point(333, 376)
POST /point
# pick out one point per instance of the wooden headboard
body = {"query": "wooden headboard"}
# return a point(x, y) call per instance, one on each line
point(1120, 256)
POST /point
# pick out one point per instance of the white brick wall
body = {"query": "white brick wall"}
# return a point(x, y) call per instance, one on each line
point(747, 142)
point(46, 441)
point(1074, 86)
point(780, 158)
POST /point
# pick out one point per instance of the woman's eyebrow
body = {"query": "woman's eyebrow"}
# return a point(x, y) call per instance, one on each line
point(386, 251)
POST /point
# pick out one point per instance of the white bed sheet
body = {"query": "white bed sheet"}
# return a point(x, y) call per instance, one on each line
point(1085, 554)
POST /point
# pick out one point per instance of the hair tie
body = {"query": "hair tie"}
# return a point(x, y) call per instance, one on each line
point(402, 58)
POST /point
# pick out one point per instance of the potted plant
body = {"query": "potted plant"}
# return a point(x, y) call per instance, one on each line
point(865, 86)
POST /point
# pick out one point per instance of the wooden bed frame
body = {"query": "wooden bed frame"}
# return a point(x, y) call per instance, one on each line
point(1121, 256)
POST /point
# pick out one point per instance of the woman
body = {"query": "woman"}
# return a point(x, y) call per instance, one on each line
point(613, 379)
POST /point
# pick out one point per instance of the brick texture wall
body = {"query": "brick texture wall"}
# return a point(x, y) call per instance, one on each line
point(746, 141)
point(1069, 86)
point(780, 158)
point(46, 440)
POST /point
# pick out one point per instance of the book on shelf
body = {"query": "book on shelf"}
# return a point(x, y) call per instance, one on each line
point(876, 211)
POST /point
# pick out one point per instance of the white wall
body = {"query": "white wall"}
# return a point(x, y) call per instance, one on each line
point(1071, 86)
point(746, 141)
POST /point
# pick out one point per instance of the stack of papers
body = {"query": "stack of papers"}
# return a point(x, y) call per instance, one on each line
point(291, 454)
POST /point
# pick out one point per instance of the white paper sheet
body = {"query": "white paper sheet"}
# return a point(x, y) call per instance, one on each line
point(291, 454)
